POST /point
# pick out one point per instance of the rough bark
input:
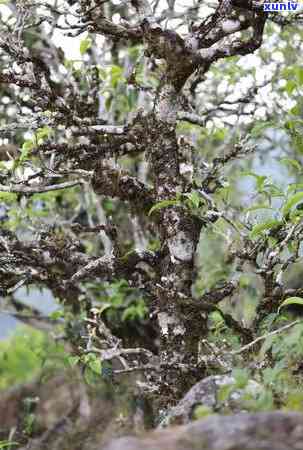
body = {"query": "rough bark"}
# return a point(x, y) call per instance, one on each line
point(179, 233)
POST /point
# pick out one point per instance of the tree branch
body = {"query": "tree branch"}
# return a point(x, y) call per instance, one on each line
point(39, 189)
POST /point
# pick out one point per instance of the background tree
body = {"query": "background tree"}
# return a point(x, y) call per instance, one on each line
point(118, 165)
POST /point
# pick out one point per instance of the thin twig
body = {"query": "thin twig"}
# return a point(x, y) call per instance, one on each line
point(17, 285)
point(261, 338)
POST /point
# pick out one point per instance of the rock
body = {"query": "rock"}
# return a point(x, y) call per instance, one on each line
point(11, 406)
point(205, 393)
point(61, 412)
point(260, 431)
point(50, 401)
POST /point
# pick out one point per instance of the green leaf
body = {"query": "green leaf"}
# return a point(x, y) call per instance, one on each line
point(220, 133)
point(102, 73)
point(202, 411)
point(217, 319)
point(116, 71)
point(296, 110)
point(73, 360)
point(8, 197)
point(264, 226)
point(290, 86)
point(292, 162)
point(93, 362)
point(291, 202)
point(43, 133)
point(299, 74)
point(294, 401)
point(259, 127)
point(225, 391)
point(104, 307)
point(291, 301)
point(108, 102)
point(264, 402)
point(163, 204)
point(116, 75)
point(56, 315)
point(260, 179)
point(85, 44)
point(28, 145)
point(26, 150)
point(260, 182)
point(136, 311)
point(194, 198)
point(95, 365)
point(273, 191)
point(4, 444)
point(294, 187)
point(258, 207)
point(132, 98)
point(68, 63)
point(290, 125)
point(241, 378)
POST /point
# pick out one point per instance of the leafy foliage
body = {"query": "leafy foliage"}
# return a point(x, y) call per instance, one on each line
point(26, 354)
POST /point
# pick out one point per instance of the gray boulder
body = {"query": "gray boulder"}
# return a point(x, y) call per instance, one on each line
point(261, 431)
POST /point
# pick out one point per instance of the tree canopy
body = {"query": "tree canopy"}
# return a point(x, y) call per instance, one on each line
point(151, 179)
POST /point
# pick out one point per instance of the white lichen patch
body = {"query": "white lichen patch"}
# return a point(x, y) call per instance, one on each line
point(230, 26)
point(208, 53)
point(165, 320)
point(186, 168)
point(192, 44)
point(179, 329)
point(181, 248)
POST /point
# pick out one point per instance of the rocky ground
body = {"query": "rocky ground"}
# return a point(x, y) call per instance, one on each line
point(61, 412)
